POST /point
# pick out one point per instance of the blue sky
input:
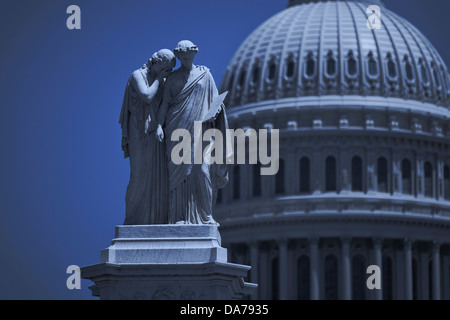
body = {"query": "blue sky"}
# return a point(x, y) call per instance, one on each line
point(63, 176)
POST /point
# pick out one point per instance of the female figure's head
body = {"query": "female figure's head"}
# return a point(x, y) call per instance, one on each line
point(162, 60)
point(185, 52)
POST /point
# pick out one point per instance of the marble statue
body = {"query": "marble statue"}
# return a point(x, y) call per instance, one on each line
point(170, 245)
point(147, 193)
point(189, 95)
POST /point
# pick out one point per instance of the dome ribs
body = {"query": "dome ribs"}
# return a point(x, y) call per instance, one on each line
point(324, 48)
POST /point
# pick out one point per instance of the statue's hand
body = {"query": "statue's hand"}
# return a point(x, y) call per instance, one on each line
point(147, 124)
point(159, 134)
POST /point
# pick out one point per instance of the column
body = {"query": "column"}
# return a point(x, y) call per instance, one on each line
point(263, 285)
point(344, 170)
point(424, 258)
point(445, 274)
point(436, 272)
point(346, 269)
point(291, 179)
point(407, 249)
point(396, 176)
point(314, 257)
point(377, 244)
point(292, 271)
point(267, 185)
point(419, 191)
point(246, 192)
point(440, 180)
point(371, 182)
point(399, 267)
point(317, 166)
point(282, 267)
point(255, 266)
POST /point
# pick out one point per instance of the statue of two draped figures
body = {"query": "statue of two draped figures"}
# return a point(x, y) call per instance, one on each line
point(158, 102)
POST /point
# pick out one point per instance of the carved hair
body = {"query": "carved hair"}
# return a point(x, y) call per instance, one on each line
point(164, 56)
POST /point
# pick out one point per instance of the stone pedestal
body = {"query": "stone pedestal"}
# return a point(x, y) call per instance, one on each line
point(167, 262)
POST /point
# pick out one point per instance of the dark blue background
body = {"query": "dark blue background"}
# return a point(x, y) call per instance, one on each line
point(63, 176)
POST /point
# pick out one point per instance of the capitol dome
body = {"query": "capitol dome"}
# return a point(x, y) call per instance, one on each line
point(325, 48)
point(364, 156)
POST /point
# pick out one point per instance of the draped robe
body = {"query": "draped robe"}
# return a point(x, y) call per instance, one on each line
point(146, 198)
point(192, 187)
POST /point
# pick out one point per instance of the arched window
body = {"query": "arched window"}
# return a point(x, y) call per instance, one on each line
point(382, 175)
point(275, 276)
point(236, 182)
point(242, 78)
point(372, 65)
point(424, 74)
point(303, 276)
point(304, 175)
point(359, 277)
point(428, 172)
point(279, 178)
point(406, 177)
point(310, 65)
point(447, 182)
point(387, 278)
point(331, 64)
point(331, 67)
point(290, 69)
point(272, 69)
point(373, 68)
point(330, 174)
point(256, 188)
point(409, 69)
point(391, 66)
point(331, 277)
point(392, 69)
point(255, 74)
point(352, 64)
point(357, 174)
